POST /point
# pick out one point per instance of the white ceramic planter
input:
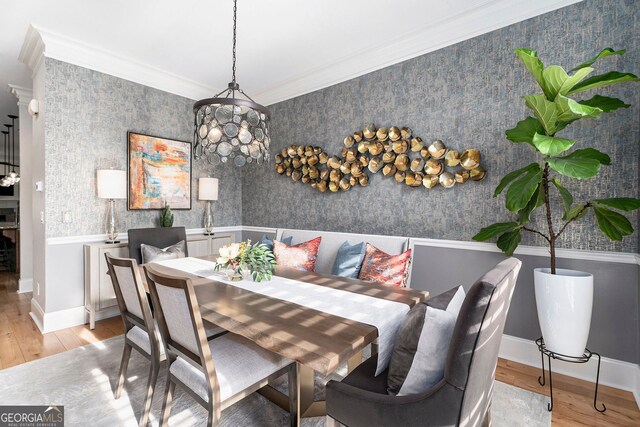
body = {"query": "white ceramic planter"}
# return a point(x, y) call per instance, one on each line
point(564, 301)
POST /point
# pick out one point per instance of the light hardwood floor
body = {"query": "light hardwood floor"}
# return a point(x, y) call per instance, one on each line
point(21, 341)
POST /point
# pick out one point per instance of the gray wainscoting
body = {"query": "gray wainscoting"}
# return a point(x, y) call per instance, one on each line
point(614, 324)
point(467, 95)
point(88, 114)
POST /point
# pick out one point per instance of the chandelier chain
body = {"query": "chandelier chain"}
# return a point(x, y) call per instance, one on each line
point(235, 13)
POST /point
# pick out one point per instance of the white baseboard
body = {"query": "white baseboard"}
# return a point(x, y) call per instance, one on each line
point(613, 373)
point(49, 322)
point(37, 314)
point(636, 392)
point(62, 319)
point(25, 285)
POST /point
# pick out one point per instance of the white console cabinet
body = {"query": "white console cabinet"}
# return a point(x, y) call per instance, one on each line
point(99, 296)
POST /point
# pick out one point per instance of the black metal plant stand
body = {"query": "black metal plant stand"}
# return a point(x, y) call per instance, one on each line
point(571, 359)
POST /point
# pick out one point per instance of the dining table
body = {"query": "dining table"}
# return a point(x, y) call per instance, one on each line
point(319, 339)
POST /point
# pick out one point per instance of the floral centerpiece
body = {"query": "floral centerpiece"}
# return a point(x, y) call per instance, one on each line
point(242, 260)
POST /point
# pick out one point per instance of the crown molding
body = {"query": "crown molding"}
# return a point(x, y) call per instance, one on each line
point(40, 42)
point(488, 16)
point(23, 94)
point(32, 51)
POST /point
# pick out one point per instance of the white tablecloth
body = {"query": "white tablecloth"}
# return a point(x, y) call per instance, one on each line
point(385, 315)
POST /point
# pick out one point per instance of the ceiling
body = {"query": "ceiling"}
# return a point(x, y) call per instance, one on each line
point(285, 47)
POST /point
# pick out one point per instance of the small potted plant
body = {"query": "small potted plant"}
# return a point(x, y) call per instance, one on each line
point(243, 260)
point(564, 298)
point(166, 216)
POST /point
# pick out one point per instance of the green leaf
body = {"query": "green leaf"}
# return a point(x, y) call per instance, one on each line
point(605, 103)
point(554, 76)
point(605, 52)
point(570, 110)
point(558, 82)
point(524, 214)
point(575, 167)
point(494, 229)
point(567, 198)
point(550, 145)
point(509, 241)
point(544, 110)
point(574, 80)
point(622, 203)
point(513, 175)
point(606, 79)
point(533, 64)
point(583, 163)
point(592, 153)
point(614, 225)
point(562, 125)
point(524, 130)
point(521, 191)
point(576, 212)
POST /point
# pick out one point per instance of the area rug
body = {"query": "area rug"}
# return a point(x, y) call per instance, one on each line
point(83, 379)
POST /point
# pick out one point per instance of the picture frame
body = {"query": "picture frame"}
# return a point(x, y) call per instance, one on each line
point(158, 172)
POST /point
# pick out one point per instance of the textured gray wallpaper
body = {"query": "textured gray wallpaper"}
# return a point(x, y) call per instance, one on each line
point(87, 119)
point(465, 95)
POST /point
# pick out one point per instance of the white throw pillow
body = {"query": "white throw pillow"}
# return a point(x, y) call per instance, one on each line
point(151, 253)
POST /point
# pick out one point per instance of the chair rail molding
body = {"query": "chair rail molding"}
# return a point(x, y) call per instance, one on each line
point(618, 257)
point(489, 15)
point(93, 238)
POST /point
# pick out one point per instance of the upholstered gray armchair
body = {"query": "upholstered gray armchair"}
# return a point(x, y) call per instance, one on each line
point(463, 396)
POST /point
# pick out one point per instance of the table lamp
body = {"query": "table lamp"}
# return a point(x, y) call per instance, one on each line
point(112, 184)
point(208, 190)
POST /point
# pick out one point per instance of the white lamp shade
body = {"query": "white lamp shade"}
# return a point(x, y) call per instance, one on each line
point(208, 188)
point(112, 184)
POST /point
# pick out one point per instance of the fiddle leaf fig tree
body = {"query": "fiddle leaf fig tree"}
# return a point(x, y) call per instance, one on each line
point(528, 188)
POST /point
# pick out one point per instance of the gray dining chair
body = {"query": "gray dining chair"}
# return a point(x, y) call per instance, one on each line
point(160, 237)
point(215, 373)
point(138, 321)
point(463, 396)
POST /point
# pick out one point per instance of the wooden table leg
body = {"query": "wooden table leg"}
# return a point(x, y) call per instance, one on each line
point(306, 405)
point(354, 361)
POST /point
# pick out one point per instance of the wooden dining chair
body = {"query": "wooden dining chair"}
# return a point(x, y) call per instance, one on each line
point(138, 321)
point(215, 373)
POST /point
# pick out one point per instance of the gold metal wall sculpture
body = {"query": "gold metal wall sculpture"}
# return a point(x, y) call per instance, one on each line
point(391, 150)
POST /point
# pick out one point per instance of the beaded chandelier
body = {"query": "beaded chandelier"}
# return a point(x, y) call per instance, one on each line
point(229, 129)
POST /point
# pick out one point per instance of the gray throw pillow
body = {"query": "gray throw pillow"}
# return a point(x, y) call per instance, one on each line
point(152, 254)
point(421, 347)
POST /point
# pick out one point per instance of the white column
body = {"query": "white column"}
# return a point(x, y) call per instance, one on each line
point(24, 95)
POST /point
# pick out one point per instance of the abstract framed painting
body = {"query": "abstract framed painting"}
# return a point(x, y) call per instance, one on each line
point(159, 172)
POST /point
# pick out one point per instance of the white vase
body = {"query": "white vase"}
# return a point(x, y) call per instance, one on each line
point(564, 301)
